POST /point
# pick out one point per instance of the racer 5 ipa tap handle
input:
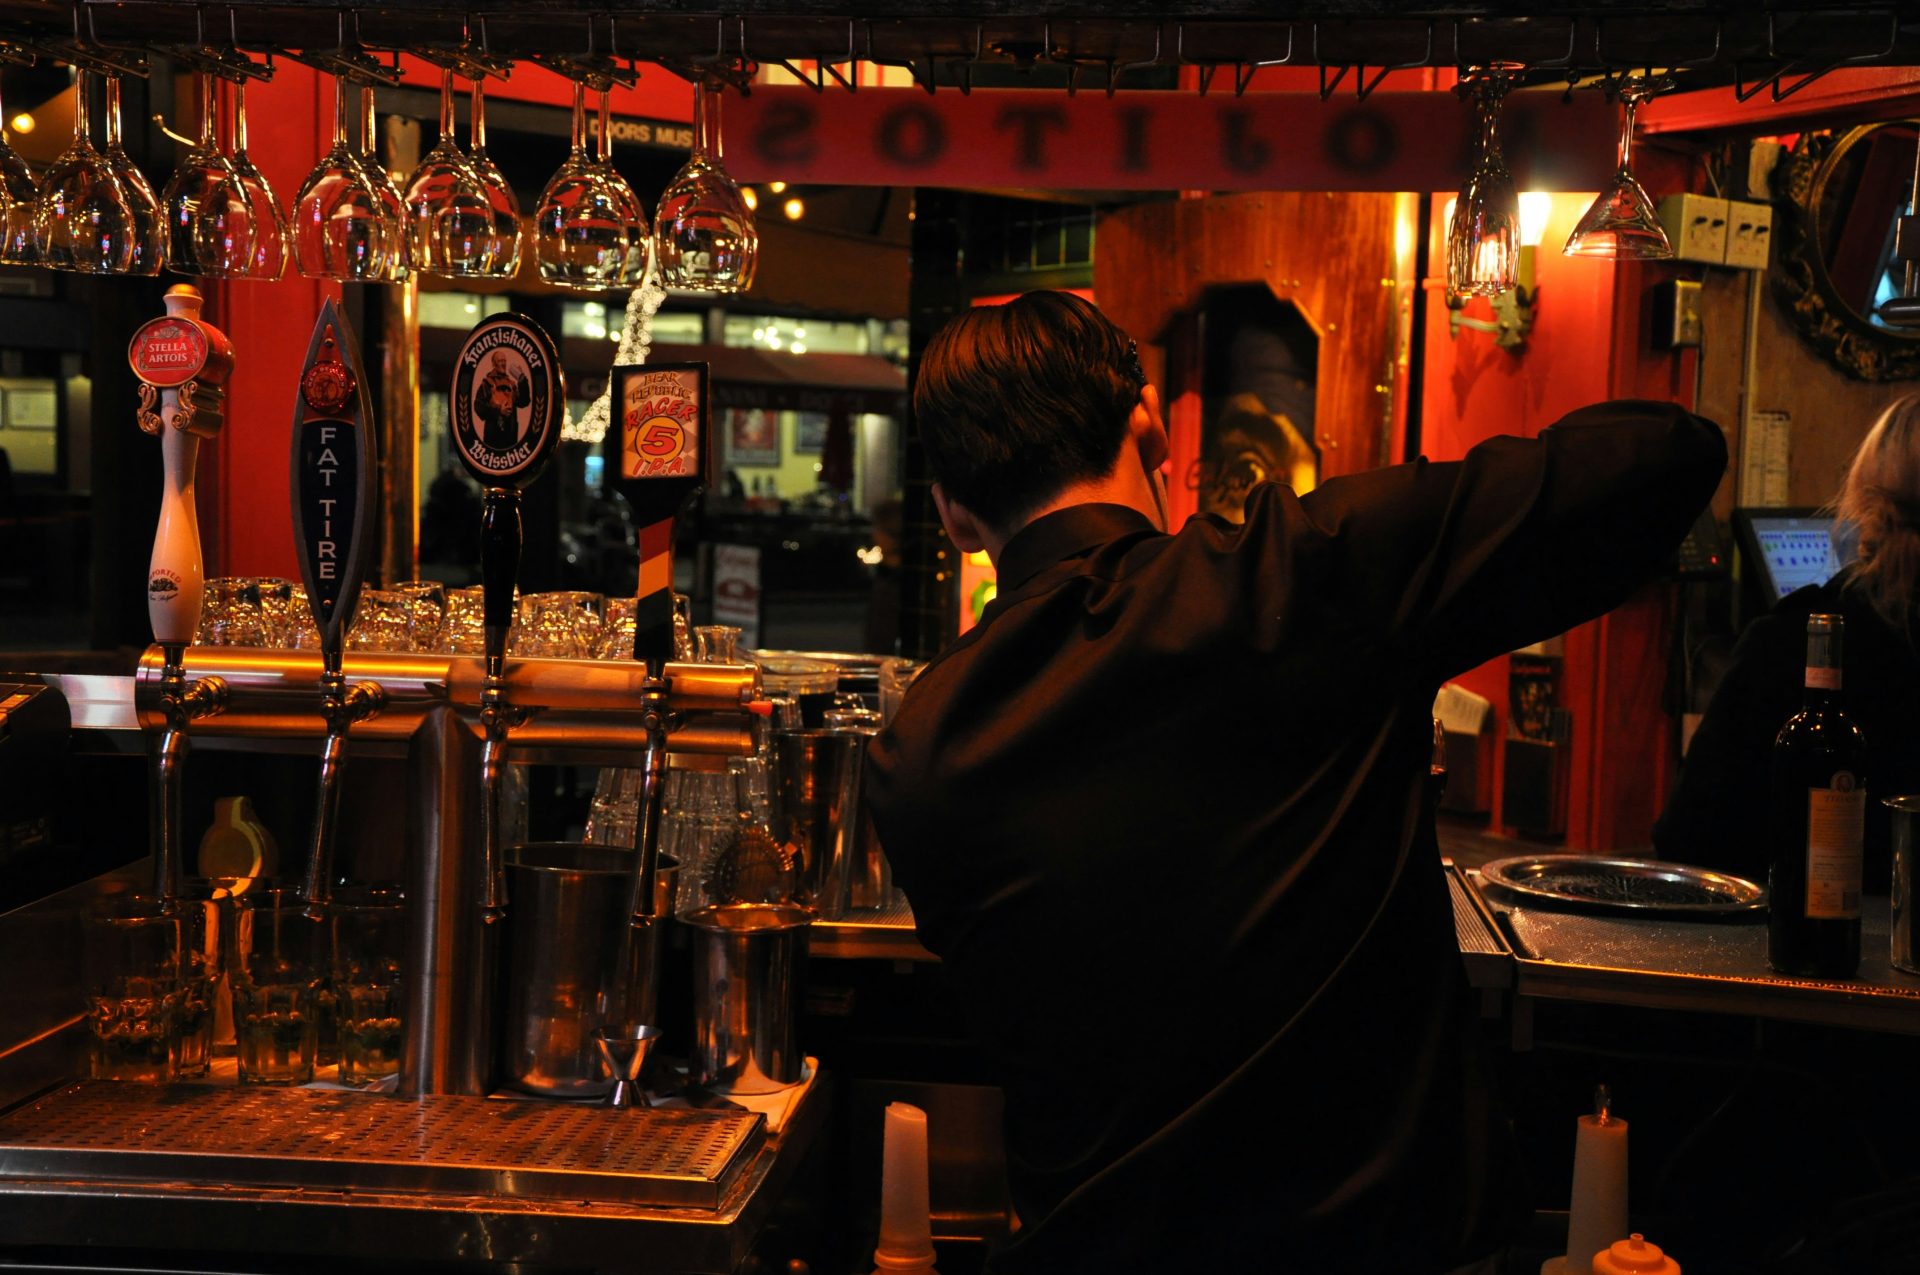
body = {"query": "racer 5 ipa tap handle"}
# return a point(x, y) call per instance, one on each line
point(183, 363)
point(509, 396)
point(332, 486)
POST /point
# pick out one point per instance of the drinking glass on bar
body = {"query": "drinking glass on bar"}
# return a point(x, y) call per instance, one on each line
point(639, 230)
point(426, 603)
point(503, 255)
point(367, 924)
point(380, 622)
point(300, 632)
point(276, 608)
point(1483, 240)
point(230, 615)
point(277, 969)
point(206, 917)
point(130, 972)
point(1621, 222)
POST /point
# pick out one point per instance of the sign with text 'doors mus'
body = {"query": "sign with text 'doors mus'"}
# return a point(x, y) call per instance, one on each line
point(334, 456)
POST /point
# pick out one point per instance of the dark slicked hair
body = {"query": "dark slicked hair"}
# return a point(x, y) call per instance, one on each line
point(1015, 403)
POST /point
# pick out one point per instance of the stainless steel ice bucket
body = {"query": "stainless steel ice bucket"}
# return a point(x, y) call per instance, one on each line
point(566, 918)
point(747, 965)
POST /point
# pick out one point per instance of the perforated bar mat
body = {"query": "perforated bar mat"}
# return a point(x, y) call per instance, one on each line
point(320, 1138)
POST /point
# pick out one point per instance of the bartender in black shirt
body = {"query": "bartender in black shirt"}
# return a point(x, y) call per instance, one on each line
point(1160, 813)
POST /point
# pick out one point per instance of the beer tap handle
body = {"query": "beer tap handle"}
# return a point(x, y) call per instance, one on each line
point(508, 399)
point(183, 363)
point(333, 491)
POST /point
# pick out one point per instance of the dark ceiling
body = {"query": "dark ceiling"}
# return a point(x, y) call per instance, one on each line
point(1073, 42)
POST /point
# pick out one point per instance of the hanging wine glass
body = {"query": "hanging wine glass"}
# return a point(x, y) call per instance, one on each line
point(338, 227)
point(241, 232)
point(639, 231)
point(449, 223)
point(17, 195)
point(149, 227)
point(582, 234)
point(1483, 240)
point(393, 217)
point(200, 170)
point(83, 220)
point(503, 248)
point(1622, 223)
point(704, 234)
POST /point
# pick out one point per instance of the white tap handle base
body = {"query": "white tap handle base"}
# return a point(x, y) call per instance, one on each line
point(176, 579)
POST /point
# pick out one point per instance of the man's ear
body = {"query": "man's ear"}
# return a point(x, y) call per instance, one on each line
point(1148, 429)
point(962, 527)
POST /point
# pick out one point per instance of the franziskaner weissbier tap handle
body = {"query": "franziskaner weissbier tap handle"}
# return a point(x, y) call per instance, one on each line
point(509, 397)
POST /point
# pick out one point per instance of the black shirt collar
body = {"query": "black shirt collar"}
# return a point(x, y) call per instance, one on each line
point(1065, 533)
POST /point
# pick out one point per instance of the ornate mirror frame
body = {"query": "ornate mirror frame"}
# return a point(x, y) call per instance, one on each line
point(1800, 277)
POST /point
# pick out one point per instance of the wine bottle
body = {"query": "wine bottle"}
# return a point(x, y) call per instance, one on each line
point(1819, 795)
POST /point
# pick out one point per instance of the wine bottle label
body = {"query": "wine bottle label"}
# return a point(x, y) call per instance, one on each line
point(1824, 679)
point(1836, 822)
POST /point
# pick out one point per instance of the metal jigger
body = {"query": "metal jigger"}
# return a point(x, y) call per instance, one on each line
point(625, 1057)
point(183, 364)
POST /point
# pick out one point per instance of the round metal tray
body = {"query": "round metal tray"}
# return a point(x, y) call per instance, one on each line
point(1624, 885)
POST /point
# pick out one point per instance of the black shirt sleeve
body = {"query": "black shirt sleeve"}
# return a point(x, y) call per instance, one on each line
point(1523, 538)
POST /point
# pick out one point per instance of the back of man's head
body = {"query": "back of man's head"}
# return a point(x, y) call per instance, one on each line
point(1017, 402)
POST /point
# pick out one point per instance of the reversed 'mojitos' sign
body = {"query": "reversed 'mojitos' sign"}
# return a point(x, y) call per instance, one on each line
point(1160, 140)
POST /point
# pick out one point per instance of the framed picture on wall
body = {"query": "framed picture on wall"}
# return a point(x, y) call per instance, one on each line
point(753, 436)
point(32, 407)
point(810, 432)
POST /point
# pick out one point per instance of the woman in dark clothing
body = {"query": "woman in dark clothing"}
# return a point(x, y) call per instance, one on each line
point(1717, 815)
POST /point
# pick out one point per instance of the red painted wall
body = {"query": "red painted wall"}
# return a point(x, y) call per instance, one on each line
point(1588, 343)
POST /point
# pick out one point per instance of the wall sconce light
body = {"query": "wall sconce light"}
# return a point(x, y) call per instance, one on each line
point(1513, 309)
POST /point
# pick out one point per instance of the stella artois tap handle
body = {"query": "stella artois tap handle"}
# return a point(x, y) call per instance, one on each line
point(183, 363)
point(333, 493)
point(508, 399)
point(658, 457)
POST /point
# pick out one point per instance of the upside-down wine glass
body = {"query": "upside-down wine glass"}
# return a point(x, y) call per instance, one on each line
point(582, 233)
point(242, 234)
point(339, 230)
point(1483, 241)
point(1622, 223)
point(639, 230)
point(449, 221)
point(704, 234)
point(17, 195)
point(393, 209)
point(201, 169)
point(503, 245)
point(149, 228)
point(82, 220)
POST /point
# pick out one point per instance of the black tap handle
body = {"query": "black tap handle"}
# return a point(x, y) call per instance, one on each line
point(499, 567)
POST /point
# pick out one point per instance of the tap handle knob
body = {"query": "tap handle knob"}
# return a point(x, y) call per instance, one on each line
point(333, 459)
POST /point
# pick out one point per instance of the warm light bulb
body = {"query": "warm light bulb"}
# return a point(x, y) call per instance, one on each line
point(794, 209)
point(798, 347)
point(751, 197)
point(1536, 208)
point(778, 188)
point(23, 123)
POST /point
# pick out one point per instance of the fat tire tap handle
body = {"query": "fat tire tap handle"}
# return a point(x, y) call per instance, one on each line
point(332, 481)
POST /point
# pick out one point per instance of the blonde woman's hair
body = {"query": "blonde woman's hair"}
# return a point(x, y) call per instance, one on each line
point(1881, 497)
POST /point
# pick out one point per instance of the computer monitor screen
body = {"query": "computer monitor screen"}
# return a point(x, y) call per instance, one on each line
point(1787, 549)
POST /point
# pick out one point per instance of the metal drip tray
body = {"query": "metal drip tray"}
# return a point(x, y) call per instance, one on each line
point(328, 1139)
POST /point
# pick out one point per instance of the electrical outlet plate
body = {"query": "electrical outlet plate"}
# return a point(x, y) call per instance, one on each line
point(1749, 234)
point(1696, 225)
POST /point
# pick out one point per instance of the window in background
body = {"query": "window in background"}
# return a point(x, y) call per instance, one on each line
point(458, 310)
